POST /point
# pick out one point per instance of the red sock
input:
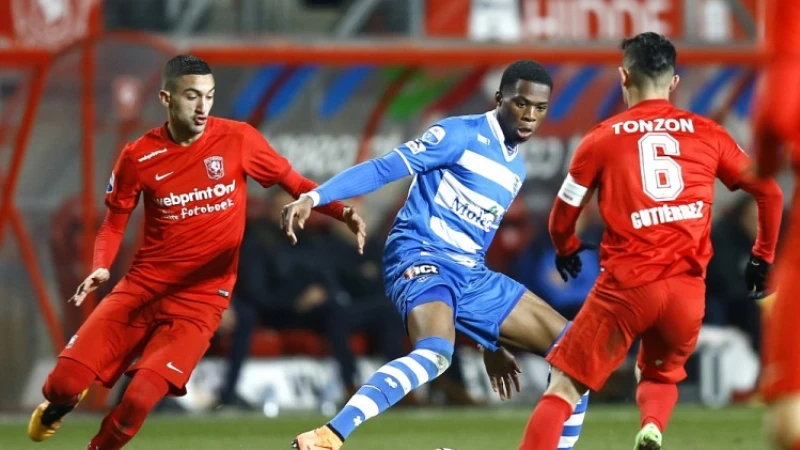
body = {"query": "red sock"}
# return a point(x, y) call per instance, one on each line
point(796, 446)
point(546, 423)
point(67, 380)
point(120, 425)
point(656, 402)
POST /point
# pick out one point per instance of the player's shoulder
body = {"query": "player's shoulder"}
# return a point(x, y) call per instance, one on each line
point(146, 146)
point(221, 125)
point(455, 128)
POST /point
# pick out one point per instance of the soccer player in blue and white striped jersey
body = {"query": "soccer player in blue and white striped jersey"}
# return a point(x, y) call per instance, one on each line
point(467, 171)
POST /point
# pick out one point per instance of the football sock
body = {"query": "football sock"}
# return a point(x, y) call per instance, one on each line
point(67, 380)
point(430, 358)
point(544, 428)
point(123, 422)
point(572, 427)
point(656, 402)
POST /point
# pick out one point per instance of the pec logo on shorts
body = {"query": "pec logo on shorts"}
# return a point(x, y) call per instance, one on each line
point(421, 270)
point(72, 341)
point(214, 167)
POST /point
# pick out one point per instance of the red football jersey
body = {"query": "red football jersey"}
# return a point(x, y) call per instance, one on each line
point(654, 167)
point(194, 202)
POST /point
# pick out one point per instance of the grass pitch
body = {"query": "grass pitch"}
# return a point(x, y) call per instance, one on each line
point(606, 428)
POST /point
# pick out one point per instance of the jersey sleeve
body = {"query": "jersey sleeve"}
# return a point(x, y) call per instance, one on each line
point(583, 172)
point(260, 161)
point(733, 161)
point(122, 192)
point(440, 145)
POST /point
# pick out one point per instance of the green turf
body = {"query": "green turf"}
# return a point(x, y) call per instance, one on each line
point(692, 428)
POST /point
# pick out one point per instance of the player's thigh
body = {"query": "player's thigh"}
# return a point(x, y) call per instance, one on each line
point(532, 325)
point(668, 344)
point(111, 337)
point(173, 350)
point(425, 293)
point(603, 331)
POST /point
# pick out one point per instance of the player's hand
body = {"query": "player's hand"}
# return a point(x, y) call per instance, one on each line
point(571, 264)
point(503, 370)
point(755, 275)
point(356, 224)
point(296, 212)
point(91, 282)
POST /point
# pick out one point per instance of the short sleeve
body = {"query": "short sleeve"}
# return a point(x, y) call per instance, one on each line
point(584, 168)
point(122, 192)
point(440, 145)
point(733, 161)
point(259, 160)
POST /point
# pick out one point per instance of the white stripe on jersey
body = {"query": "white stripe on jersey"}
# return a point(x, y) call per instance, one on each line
point(455, 238)
point(492, 170)
point(467, 204)
point(408, 166)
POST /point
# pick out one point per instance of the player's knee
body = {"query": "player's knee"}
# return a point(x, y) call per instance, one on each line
point(442, 348)
point(564, 386)
point(68, 379)
point(145, 391)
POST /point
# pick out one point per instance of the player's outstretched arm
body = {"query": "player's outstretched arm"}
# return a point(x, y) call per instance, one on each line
point(735, 170)
point(106, 246)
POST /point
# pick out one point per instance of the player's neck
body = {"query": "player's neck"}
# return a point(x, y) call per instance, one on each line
point(636, 96)
point(183, 138)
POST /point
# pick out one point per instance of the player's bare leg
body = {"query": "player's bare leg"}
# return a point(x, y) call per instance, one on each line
point(65, 387)
point(544, 428)
point(431, 328)
point(783, 422)
point(534, 326)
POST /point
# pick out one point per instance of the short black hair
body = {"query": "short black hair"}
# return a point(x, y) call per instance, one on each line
point(182, 65)
point(649, 57)
point(525, 70)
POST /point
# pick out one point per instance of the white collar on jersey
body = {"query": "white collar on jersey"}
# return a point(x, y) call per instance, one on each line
point(508, 152)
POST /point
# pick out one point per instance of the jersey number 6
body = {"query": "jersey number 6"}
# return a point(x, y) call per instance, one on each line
point(661, 175)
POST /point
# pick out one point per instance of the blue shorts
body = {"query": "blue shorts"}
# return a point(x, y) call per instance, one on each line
point(481, 299)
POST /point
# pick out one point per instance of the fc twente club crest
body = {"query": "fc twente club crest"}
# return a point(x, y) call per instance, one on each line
point(214, 167)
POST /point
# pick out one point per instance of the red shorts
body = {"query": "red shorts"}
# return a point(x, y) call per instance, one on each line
point(169, 333)
point(781, 373)
point(667, 314)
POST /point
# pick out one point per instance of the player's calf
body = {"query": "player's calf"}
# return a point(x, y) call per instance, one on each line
point(147, 388)
point(430, 358)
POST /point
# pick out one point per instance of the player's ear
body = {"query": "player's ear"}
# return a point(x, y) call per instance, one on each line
point(163, 97)
point(674, 83)
point(624, 76)
point(498, 97)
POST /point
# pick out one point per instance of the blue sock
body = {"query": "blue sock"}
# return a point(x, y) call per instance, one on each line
point(572, 427)
point(430, 358)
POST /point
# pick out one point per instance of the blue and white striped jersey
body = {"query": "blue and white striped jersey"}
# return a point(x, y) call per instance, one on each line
point(465, 178)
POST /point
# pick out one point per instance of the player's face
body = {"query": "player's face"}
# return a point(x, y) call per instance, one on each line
point(521, 109)
point(189, 102)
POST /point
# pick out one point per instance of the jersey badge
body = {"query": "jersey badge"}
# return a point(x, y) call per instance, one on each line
point(214, 167)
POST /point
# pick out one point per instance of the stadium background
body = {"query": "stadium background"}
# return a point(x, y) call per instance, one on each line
point(330, 83)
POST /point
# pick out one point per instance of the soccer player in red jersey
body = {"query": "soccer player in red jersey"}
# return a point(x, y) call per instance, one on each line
point(192, 173)
point(777, 122)
point(654, 168)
